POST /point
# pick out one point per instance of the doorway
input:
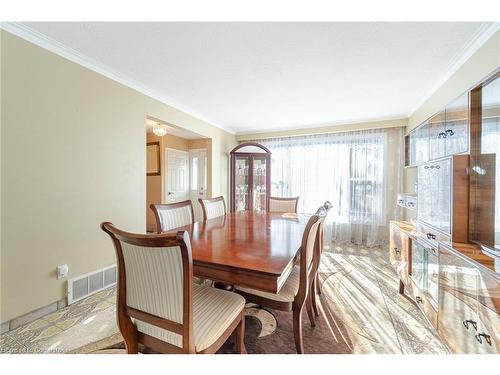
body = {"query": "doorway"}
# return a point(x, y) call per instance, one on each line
point(197, 179)
point(183, 162)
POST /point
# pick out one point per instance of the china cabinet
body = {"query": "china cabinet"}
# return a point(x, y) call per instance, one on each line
point(250, 177)
point(451, 262)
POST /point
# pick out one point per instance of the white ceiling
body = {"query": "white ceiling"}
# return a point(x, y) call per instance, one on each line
point(248, 77)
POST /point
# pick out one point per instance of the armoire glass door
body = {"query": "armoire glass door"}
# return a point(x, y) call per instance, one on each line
point(259, 184)
point(241, 183)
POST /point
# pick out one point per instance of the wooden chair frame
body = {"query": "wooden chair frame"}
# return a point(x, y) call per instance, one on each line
point(288, 199)
point(211, 200)
point(302, 297)
point(316, 287)
point(169, 206)
point(125, 313)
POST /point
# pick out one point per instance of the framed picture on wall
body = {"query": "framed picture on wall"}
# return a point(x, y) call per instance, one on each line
point(153, 159)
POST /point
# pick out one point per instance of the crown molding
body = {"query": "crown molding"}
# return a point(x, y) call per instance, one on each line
point(41, 40)
point(481, 36)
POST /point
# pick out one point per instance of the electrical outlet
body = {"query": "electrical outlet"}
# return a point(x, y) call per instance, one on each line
point(62, 271)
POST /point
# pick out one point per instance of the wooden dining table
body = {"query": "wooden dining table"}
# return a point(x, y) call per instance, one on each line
point(252, 249)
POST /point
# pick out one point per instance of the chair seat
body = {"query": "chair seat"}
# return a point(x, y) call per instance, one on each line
point(213, 312)
point(287, 292)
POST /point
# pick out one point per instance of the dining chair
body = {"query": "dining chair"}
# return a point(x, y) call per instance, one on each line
point(173, 215)
point(283, 204)
point(316, 287)
point(158, 305)
point(294, 294)
point(213, 207)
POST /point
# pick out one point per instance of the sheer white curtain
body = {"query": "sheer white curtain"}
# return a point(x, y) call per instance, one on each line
point(359, 172)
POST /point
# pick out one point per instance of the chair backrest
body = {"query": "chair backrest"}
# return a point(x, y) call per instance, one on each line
point(310, 252)
point(285, 204)
point(213, 207)
point(155, 277)
point(173, 215)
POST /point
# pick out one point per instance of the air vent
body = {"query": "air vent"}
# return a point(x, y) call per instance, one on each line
point(90, 283)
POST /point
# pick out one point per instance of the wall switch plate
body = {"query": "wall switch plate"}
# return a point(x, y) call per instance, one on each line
point(62, 271)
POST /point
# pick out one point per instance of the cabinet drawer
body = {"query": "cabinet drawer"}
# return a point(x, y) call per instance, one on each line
point(432, 234)
point(488, 332)
point(458, 321)
point(424, 303)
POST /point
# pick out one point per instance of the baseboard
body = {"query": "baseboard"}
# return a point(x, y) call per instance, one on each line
point(33, 315)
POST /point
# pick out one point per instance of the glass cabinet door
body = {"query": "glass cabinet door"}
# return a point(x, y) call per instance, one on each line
point(422, 144)
point(457, 125)
point(241, 183)
point(442, 195)
point(434, 190)
point(432, 282)
point(437, 136)
point(259, 184)
point(412, 149)
point(424, 206)
point(485, 171)
point(418, 264)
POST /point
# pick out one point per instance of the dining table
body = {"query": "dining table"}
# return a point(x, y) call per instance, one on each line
point(248, 248)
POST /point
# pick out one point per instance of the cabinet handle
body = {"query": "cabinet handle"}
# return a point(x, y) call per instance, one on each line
point(450, 132)
point(442, 135)
point(419, 299)
point(431, 236)
point(487, 338)
point(396, 250)
point(472, 322)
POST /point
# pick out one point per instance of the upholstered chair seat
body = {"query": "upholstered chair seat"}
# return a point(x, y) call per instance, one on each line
point(213, 312)
point(287, 292)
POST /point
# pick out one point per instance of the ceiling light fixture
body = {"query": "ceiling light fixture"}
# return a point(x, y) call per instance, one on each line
point(159, 129)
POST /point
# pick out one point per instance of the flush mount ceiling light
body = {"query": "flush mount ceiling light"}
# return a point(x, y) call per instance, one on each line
point(159, 129)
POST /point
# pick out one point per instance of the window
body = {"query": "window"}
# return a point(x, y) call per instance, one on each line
point(351, 170)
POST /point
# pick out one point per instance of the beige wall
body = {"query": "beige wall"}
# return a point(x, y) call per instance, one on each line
point(55, 190)
point(476, 68)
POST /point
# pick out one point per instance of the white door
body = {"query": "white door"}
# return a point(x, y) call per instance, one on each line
point(197, 179)
point(176, 176)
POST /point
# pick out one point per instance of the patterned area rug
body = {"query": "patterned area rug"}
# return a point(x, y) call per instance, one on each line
point(361, 311)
